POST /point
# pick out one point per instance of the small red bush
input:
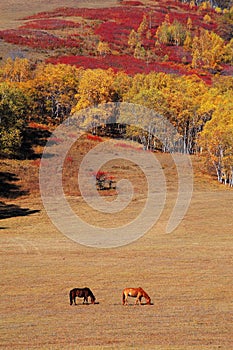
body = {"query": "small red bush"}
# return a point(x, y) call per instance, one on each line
point(132, 3)
point(94, 138)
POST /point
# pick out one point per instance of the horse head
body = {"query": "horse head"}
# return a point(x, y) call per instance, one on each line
point(92, 298)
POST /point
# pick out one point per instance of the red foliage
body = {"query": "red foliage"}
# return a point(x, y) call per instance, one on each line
point(49, 24)
point(35, 125)
point(37, 39)
point(132, 3)
point(69, 159)
point(227, 70)
point(102, 175)
point(73, 136)
point(113, 25)
point(36, 162)
point(94, 138)
point(124, 145)
point(55, 140)
point(177, 54)
point(118, 14)
point(125, 63)
point(114, 33)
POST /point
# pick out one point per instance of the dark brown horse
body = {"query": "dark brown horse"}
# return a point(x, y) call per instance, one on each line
point(81, 293)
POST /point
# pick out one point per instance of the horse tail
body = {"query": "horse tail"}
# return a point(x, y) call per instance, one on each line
point(71, 297)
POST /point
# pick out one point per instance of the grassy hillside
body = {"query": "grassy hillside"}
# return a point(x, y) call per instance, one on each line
point(71, 34)
point(187, 273)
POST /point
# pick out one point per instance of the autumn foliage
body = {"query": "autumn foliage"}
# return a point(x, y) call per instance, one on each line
point(171, 57)
point(168, 33)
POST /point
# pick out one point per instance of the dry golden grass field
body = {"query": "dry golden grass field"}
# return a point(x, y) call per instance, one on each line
point(187, 273)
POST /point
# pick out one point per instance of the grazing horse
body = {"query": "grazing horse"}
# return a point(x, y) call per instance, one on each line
point(81, 293)
point(137, 293)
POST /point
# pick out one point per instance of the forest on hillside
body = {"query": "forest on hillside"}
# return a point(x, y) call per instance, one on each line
point(174, 58)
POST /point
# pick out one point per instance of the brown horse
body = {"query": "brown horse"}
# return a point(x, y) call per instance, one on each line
point(81, 293)
point(137, 293)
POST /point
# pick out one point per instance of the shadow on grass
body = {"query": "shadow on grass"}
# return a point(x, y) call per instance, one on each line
point(8, 188)
point(33, 137)
point(12, 210)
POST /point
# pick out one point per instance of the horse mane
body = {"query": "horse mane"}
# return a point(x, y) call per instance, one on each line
point(90, 293)
point(144, 293)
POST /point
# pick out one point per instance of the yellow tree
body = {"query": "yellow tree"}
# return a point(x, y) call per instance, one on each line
point(103, 48)
point(177, 99)
point(217, 137)
point(143, 27)
point(228, 55)
point(171, 33)
point(189, 24)
point(53, 91)
point(184, 98)
point(139, 51)
point(208, 50)
point(96, 87)
point(146, 90)
point(133, 39)
point(17, 70)
point(121, 85)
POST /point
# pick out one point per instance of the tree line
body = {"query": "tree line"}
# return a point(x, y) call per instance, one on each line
point(48, 94)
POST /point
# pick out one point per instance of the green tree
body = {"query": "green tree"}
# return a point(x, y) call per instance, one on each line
point(171, 33)
point(139, 51)
point(13, 114)
point(178, 33)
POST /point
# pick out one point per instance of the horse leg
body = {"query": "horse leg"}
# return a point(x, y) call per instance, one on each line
point(123, 298)
point(71, 298)
point(138, 300)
